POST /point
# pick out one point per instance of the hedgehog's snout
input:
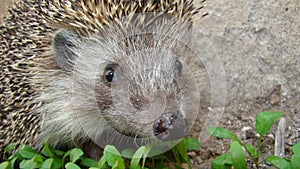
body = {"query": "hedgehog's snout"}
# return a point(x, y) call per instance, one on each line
point(170, 126)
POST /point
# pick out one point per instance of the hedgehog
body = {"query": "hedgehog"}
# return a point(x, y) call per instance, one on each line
point(82, 72)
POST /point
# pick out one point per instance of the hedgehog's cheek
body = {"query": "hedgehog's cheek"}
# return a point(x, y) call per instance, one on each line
point(64, 46)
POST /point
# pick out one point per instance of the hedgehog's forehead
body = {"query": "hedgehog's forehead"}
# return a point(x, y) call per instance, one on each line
point(148, 58)
point(148, 68)
point(133, 52)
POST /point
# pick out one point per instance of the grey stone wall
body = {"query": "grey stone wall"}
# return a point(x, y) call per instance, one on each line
point(258, 42)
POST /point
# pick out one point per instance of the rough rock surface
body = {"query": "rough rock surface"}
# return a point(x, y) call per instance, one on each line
point(258, 43)
point(3, 7)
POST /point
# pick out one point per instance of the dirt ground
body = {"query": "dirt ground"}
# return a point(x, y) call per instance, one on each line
point(258, 44)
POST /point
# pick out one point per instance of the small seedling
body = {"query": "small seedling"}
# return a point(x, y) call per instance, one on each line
point(236, 157)
point(26, 157)
point(284, 163)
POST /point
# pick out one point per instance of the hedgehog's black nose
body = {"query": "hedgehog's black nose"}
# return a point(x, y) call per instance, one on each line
point(170, 126)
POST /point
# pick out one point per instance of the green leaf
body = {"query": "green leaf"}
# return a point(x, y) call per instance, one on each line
point(48, 151)
point(75, 154)
point(111, 155)
point(27, 152)
point(102, 162)
point(88, 162)
point(296, 148)
point(237, 156)
point(57, 163)
point(12, 162)
point(252, 150)
point(265, 120)
point(4, 165)
point(148, 150)
point(145, 155)
point(158, 157)
point(15, 155)
point(181, 149)
point(192, 144)
point(66, 155)
point(35, 162)
point(112, 150)
point(71, 165)
point(222, 133)
point(59, 152)
point(128, 153)
point(28, 164)
point(10, 147)
point(295, 161)
point(119, 164)
point(47, 163)
point(278, 162)
point(115, 166)
point(134, 164)
point(222, 162)
point(39, 158)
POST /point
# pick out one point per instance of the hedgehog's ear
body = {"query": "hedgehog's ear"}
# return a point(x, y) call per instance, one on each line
point(64, 45)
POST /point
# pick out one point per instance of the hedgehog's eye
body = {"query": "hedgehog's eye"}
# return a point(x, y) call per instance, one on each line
point(110, 74)
point(178, 67)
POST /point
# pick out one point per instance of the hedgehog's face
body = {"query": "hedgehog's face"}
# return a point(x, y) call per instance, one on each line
point(144, 91)
point(145, 94)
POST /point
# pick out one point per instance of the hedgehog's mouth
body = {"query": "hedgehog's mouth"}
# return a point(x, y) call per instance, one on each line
point(122, 139)
point(170, 126)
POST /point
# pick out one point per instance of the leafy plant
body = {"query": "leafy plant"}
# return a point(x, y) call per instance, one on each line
point(283, 163)
point(27, 157)
point(236, 157)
